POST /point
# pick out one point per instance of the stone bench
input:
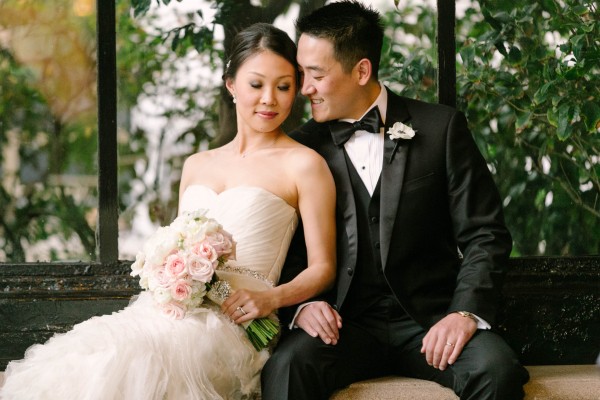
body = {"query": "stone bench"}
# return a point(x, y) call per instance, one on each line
point(547, 382)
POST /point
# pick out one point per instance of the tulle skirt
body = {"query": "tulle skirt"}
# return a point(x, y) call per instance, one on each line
point(139, 353)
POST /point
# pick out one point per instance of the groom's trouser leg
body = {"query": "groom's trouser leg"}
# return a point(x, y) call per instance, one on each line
point(305, 368)
point(487, 368)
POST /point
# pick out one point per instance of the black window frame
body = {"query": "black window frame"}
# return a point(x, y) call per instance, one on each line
point(108, 213)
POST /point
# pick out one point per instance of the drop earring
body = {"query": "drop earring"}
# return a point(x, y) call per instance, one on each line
point(233, 99)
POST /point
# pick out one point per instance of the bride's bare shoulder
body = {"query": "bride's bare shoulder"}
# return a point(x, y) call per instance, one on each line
point(303, 156)
point(203, 154)
point(197, 162)
point(199, 158)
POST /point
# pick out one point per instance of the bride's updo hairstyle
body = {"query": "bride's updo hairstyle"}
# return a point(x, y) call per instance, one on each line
point(255, 39)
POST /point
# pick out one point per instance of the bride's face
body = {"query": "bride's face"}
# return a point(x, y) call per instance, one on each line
point(264, 88)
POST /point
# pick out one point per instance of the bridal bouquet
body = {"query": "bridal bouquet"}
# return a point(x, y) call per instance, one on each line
point(178, 262)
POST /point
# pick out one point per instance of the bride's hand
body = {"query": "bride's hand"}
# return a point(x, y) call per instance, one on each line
point(245, 305)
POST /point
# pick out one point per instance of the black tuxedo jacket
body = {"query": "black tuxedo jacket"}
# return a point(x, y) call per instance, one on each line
point(444, 244)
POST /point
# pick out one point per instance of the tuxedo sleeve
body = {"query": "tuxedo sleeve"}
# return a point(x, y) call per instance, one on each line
point(478, 223)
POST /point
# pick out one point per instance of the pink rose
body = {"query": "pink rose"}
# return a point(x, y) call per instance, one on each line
point(173, 309)
point(159, 278)
point(181, 290)
point(200, 268)
point(206, 250)
point(223, 243)
point(175, 265)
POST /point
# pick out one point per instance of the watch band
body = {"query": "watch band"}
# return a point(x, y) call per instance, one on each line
point(467, 314)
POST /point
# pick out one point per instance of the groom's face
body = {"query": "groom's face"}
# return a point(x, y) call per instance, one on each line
point(331, 91)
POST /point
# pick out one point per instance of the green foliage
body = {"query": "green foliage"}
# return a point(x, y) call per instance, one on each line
point(527, 78)
point(532, 105)
point(529, 81)
point(30, 210)
point(410, 68)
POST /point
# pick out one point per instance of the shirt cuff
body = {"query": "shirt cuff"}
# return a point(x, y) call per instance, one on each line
point(292, 324)
point(482, 323)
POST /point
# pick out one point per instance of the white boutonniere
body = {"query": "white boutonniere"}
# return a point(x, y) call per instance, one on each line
point(400, 131)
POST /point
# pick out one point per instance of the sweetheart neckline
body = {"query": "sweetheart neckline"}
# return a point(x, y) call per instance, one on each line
point(259, 188)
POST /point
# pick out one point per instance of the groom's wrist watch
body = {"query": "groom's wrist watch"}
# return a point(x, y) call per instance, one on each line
point(467, 314)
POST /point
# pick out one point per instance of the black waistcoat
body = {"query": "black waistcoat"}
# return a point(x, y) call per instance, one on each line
point(369, 288)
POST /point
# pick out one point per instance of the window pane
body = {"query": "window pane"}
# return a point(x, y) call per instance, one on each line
point(409, 55)
point(48, 130)
point(170, 65)
point(167, 109)
point(528, 79)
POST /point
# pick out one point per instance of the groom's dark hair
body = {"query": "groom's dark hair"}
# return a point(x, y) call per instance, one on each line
point(355, 30)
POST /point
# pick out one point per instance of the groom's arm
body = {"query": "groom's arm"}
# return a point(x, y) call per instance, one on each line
point(478, 222)
point(476, 212)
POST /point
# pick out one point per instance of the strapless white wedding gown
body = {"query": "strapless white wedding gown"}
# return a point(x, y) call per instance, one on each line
point(139, 353)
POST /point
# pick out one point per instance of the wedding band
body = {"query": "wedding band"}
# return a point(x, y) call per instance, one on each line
point(240, 309)
point(449, 344)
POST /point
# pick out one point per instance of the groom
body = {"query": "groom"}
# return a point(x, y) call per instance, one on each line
point(422, 244)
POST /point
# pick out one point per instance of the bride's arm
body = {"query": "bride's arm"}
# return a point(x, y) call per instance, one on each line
point(184, 181)
point(316, 205)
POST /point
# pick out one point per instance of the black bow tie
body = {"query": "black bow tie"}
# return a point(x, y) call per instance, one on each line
point(342, 130)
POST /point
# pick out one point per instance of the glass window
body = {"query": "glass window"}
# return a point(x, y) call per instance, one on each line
point(525, 84)
point(48, 133)
point(528, 80)
point(170, 61)
point(409, 56)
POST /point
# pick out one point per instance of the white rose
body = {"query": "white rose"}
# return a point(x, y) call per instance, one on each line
point(138, 265)
point(161, 247)
point(162, 295)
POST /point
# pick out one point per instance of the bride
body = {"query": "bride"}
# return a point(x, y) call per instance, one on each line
point(256, 187)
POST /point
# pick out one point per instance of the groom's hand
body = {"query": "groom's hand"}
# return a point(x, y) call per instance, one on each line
point(320, 319)
point(445, 340)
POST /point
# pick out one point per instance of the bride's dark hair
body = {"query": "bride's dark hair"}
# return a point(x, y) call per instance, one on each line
point(255, 39)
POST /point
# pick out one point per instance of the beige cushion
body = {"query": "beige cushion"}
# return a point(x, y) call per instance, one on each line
point(563, 382)
point(548, 382)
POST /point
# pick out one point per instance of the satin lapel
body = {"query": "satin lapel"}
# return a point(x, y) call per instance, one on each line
point(345, 197)
point(392, 174)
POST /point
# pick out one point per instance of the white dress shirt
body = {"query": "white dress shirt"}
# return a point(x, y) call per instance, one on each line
point(365, 149)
